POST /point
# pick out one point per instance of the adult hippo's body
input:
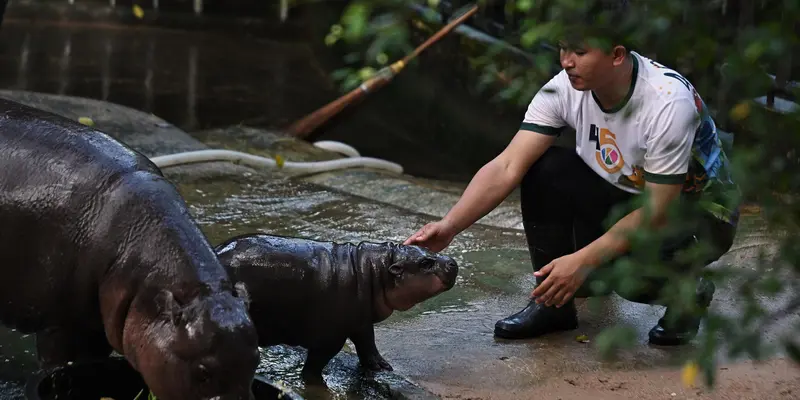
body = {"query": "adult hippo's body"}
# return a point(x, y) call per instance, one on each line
point(98, 252)
point(317, 294)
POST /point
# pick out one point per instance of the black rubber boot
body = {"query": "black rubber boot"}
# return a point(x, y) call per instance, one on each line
point(536, 320)
point(684, 328)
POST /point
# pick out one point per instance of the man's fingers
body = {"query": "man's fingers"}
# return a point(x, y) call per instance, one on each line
point(563, 297)
point(544, 270)
point(551, 298)
point(549, 291)
point(419, 236)
point(542, 288)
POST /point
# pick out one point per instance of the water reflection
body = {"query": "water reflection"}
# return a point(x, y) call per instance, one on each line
point(343, 377)
point(429, 119)
point(17, 361)
point(192, 79)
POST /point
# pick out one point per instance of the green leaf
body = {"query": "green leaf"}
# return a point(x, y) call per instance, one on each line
point(341, 73)
point(354, 20)
point(709, 368)
point(524, 5)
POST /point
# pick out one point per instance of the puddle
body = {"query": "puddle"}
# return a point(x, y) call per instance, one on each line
point(17, 361)
point(342, 376)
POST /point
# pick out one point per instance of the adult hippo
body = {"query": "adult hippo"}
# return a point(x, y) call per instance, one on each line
point(316, 294)
point(98, 252)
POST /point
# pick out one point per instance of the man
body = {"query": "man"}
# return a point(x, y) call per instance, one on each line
point(667, 147)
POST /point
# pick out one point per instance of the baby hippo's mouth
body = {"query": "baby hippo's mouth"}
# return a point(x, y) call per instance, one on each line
point(448, 274)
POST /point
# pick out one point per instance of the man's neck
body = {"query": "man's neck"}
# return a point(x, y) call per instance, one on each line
point(617, 89)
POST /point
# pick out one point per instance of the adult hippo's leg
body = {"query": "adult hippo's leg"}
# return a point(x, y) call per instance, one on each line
point(318, 357)
point(57, 346)
point(368, 354)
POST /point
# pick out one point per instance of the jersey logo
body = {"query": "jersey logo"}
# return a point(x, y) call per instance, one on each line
point(606, 153)
point(609, 157)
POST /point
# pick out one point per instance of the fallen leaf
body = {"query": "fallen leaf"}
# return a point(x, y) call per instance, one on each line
point(279, 160)
point(86, 121)
point(689, 374)
point(137, 11)
point(582, 339)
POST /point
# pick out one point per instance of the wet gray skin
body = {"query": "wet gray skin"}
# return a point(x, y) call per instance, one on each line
point(317, 294)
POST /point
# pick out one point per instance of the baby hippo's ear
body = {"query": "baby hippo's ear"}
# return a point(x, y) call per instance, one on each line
point(242, 293)
point(396, 270)
point(169, 306)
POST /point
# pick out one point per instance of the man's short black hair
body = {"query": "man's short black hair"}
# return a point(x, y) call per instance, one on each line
point(605, 20)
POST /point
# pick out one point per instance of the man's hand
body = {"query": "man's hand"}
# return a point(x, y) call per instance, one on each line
point(564, 276)
point(567, 273)
point(434, 236)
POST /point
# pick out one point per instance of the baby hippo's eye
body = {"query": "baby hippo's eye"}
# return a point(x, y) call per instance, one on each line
point(427, 263)
point(203, 375)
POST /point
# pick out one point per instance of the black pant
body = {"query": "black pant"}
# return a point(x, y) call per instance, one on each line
point(566, 206)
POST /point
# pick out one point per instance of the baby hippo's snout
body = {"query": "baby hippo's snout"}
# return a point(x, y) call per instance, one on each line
point(448, 271)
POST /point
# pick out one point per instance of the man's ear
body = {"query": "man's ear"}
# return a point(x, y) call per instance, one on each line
point(619, 54)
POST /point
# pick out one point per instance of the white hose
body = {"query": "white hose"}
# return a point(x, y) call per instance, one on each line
point(199, 156)
point(337, 147)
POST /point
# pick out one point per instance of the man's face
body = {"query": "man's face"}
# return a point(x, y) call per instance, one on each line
point(589, 68)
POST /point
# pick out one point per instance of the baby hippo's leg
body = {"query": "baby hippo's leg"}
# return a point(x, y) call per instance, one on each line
point(368, 354)
point(316, 360)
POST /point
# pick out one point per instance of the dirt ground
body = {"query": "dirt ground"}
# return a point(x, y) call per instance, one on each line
point(773, 380)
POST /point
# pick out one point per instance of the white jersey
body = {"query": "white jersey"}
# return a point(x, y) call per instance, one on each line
point(660, 133)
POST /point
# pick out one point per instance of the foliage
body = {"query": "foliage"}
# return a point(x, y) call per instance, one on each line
point(728, 60)
point(150, 395)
